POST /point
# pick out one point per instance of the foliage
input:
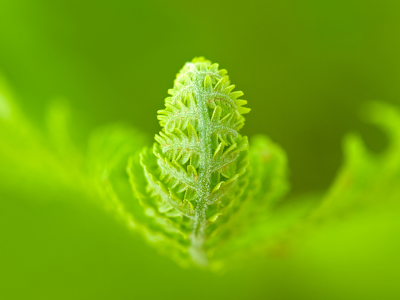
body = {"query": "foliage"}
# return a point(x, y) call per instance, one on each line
point(202, 193)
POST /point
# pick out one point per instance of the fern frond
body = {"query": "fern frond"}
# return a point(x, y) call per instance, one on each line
point(198, 169)
point(366, 176)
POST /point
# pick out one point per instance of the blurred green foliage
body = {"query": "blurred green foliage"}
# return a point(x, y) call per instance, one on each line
point(305, 66)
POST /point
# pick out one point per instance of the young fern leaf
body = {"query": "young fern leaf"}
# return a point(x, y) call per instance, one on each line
point(198, 170)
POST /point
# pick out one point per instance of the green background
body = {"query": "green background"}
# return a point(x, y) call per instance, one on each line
point(306, 68)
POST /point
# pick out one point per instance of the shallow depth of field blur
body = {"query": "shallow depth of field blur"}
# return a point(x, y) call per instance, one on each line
point(306, 68)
